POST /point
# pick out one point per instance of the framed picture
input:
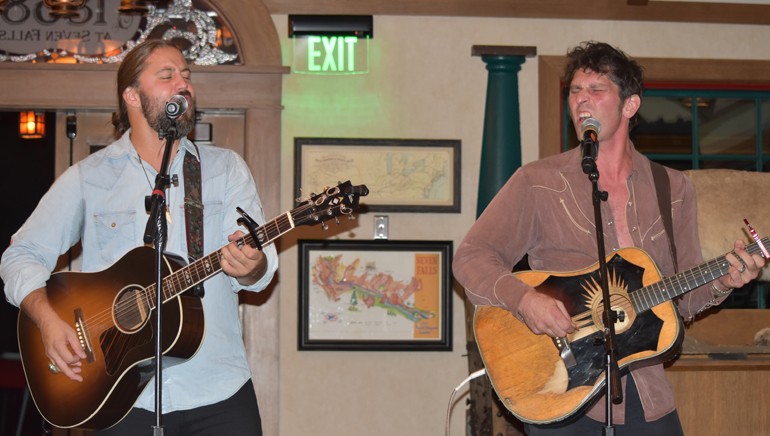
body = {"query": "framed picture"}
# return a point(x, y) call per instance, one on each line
point(375, 295)
point(403, 175)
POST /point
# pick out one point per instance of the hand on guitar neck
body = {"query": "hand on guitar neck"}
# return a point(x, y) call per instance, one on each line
point(544, 314)
point(744, 267)
point(242, 261)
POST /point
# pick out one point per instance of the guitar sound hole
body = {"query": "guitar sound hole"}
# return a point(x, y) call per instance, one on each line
point(131, 309)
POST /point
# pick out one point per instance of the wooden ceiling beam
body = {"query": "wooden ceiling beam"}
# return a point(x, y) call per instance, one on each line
point(630, 10)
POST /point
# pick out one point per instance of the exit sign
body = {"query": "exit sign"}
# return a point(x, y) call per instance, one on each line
point(331, 55)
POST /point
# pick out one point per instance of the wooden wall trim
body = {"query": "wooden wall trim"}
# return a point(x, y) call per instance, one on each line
point(671, 11)
point(254, 30)
point(255, 87)
point(550, 69)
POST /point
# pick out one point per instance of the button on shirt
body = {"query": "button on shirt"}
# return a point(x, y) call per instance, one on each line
point(100, 202)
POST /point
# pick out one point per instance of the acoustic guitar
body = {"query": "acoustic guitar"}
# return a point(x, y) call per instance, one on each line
point(111, 311)
point(543, 380)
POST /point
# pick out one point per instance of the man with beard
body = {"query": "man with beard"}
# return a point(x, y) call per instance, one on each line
point(100, 202)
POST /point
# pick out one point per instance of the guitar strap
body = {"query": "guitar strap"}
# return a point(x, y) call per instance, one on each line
point(193, 211)
point(663, 189)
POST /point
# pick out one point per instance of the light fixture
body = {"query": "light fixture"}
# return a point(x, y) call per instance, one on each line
point(133, 6)
point(65, 8)
point(31, 124)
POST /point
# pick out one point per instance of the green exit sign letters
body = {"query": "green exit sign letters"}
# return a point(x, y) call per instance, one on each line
point(331, 55)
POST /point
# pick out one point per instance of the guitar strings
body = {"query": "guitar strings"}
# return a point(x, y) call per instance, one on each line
point(585, 318)
point(103, 320)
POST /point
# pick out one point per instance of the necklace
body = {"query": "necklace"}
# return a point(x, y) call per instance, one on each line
point(146, 176)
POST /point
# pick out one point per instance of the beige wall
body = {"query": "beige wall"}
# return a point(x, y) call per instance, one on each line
point(423, 83)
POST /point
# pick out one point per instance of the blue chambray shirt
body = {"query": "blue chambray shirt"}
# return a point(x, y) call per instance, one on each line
point(100, 202)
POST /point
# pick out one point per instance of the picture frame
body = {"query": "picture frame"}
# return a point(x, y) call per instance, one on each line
point(378, 295)
point(403, 175)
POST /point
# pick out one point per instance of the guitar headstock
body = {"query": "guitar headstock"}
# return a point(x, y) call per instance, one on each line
point(333, 202)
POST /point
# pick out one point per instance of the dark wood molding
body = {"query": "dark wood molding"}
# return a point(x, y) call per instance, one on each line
point(630, 10)
point(503, 50)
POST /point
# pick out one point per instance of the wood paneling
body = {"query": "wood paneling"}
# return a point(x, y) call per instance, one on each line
point(682, 11)
point(254, 88)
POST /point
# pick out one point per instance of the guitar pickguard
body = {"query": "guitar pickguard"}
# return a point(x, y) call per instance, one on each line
point(588, 349)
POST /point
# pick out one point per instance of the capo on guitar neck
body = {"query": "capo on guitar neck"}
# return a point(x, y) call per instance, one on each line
point(251, 225)
point(754, 235)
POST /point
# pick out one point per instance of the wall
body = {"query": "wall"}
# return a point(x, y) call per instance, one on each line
point(423, 83)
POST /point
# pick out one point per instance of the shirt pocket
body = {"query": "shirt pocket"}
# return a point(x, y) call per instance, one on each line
point(115, 231)
point(213, 220)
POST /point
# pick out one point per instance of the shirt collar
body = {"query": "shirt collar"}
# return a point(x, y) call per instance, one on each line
point(573, 157)
point(124, 147)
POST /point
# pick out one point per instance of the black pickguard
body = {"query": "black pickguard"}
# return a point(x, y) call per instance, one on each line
point(589, 351)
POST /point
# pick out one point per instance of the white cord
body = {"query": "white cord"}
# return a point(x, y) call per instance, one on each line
point(476, 374)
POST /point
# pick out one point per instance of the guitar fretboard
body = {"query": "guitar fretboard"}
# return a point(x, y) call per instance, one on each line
point(207, 266)
point(671, 287)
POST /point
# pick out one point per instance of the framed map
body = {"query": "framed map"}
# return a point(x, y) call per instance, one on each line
point(375, 295)
point(403, 175)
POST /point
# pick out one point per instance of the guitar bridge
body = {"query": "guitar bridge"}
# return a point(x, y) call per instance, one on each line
point(565, 351)
point(83, 337)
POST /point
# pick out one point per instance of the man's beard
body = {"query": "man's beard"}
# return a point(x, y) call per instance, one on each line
point(155, 113)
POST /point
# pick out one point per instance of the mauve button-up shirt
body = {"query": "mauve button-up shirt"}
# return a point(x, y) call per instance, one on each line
point(545, 210)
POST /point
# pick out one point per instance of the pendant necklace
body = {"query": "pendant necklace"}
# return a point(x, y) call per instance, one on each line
point(146, 176)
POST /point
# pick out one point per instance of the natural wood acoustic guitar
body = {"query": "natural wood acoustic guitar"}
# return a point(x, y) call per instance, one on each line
point(543, 380)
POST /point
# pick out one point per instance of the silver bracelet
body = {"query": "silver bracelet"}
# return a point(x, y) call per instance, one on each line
point(718, 292)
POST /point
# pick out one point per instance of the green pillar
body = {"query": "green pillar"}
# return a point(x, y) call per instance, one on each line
point(501, 142)
point(500, 157)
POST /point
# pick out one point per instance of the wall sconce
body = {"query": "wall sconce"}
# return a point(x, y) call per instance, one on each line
point(31, 125)
point(65, 8)
point(133, 6)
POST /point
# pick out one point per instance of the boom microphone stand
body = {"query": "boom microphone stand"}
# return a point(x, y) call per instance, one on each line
point(156, 231)
point(614, 391)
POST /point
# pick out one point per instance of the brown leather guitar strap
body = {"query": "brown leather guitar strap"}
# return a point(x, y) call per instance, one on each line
point(663, 189)
point(193, 211)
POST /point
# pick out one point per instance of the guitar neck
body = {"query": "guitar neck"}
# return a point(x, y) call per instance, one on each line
point(671, 287)
point(208, 266)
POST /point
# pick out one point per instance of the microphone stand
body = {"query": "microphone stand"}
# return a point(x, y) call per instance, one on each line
point(614, 392)
point(156, 231)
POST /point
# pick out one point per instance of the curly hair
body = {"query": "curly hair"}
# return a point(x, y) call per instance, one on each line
point(603, 58)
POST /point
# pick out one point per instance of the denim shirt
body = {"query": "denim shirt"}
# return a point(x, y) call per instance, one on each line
point(100, 202)
point(545, 210)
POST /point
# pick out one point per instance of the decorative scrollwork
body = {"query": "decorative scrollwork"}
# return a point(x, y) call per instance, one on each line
point(193, 29)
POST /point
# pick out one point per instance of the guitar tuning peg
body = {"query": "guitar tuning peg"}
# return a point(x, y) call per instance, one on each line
point(324, 226)
point(337, 220)
point(301, 198)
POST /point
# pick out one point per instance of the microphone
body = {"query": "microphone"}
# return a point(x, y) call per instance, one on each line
point(589, 144)
point(176, 106)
